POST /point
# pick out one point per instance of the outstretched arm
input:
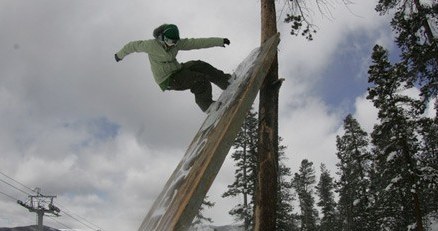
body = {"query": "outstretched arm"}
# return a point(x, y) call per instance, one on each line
point(135, 46)
point(199, 43)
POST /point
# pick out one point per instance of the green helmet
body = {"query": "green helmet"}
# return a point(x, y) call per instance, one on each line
point(171, 31)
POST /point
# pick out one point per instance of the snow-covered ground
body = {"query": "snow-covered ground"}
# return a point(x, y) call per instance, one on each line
point(220, 228)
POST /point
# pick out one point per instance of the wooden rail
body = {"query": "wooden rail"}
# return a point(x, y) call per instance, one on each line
point(181, 197)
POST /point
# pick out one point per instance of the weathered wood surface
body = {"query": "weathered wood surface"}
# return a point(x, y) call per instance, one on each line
point(181, 197)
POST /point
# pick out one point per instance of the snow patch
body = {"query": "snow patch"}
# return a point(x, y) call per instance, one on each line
point(238, 80)
point(356, 202)
point(391, 156)
point(393, 181)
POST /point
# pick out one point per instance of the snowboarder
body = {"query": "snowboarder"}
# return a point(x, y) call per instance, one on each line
point(169, 74)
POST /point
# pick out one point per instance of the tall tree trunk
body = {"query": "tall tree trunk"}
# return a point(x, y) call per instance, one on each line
point(245, 177)
point(415, 197)
point(425, 23)
point(417, 211)
point(267, 178)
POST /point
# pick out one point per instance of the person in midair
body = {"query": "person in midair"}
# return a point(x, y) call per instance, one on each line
point(169, 74)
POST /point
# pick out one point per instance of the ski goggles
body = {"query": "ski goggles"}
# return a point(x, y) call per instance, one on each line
point(170, 42)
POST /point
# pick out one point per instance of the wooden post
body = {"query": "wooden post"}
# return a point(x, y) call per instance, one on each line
point(267, 178)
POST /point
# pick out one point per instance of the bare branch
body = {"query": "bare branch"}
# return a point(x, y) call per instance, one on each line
point(300, 15)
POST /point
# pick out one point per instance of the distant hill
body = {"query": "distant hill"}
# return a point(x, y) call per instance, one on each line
point(220, 228)
point(28, 228)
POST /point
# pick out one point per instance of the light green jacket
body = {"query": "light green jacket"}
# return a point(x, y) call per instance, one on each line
point(163, 60)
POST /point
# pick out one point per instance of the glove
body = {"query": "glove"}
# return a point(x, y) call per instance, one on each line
point(117, 58)
point(226, 41)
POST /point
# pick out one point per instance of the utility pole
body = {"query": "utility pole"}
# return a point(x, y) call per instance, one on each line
point(40, 205)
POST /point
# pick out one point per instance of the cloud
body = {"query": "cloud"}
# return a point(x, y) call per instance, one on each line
point(309, 131)
point(104, 138)
point(366, 113)
point(309, 119)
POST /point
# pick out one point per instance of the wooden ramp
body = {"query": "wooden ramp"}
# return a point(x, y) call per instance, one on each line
point(179, 202)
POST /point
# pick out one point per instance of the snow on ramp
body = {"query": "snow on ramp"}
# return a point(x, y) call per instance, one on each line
point(181, 197)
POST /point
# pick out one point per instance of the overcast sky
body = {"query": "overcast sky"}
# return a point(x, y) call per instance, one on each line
point(102, 136)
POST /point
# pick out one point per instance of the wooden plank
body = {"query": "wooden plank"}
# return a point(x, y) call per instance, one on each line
point(179, 201)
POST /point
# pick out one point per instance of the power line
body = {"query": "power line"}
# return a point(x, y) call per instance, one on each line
point(16, 200)
point(72, 217)
point(14, 187)
point(7, 195)
point(16, 181)
point(64, 225)
point(64, 211)
point(40, 205)
point(95, 227)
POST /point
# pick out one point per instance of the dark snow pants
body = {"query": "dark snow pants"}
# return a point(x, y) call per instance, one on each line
point(198, 76)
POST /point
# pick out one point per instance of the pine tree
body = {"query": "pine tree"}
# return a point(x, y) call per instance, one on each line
point(325, 191)
point(245, 157)
point(353, 170)
point(396, 145)
point(303, 182)
point(200, 218)
point(414, 23)
point(286, 219)
point(428, 160)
